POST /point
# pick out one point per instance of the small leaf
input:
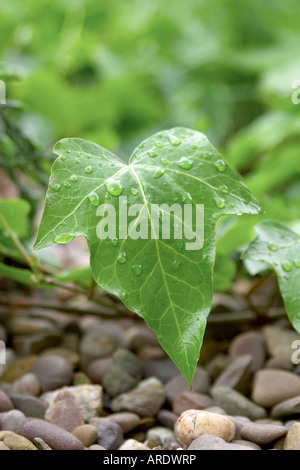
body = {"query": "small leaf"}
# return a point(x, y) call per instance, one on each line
point(159, 279)
point(279, 247)
point(15, 213)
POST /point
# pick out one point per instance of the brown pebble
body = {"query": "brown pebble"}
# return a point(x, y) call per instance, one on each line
point(87, 434)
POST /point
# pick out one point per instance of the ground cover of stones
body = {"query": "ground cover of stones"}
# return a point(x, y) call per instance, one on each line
point(87, 383)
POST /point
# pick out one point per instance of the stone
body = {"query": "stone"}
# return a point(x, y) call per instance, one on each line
point(95, 345)
point(98, 368)
point(13, 420)
point(286, 408)
point(123, 374)
point(80, 378)
point(244, 443)
point(18, 368)
point(217, 365)
point(237, 375)
point(191, 400)
point(3, 446)
point(27, 345)
point(292, 440)
point(207, 442)
point(132, 444)
point(28, 384)
point(278, 362)
point(110, 434)
point(138, 337)
point(127, 421)
point(87, 434)
point(271, 386)
point(167, 418)
point(165, 370)
point(5, 402)
point(15, 442)
point(96, 447)
point(201, 384)
point(250, 343)
point(279, 341)
point(145, 400)
point(193, 423)
point(89, 398)
point(71, 356)
point(65, 411)
point(29, 405)
point(56, 437)
point(161, 432)
point(40, 444)
point(234, 403)
point(262, 434)
point(53, 372)
point(239, 422)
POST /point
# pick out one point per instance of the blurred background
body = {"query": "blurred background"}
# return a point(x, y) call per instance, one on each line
point(117, 72)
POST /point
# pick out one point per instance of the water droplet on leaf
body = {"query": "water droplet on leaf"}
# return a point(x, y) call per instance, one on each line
point(152, 154)
point(55, 187)
point(137, 269)
point(175, 265)
point(114, 187)
point(88, 170)
point(220, 165)
point(273, 247)
point(175, 141)
point(74, 179)
point(185, 163)
point(220, 203)
point(287, 266)
point(64, 238)
point(122, 257)
point(158, 173)
point(94, 199)
point(134, 191)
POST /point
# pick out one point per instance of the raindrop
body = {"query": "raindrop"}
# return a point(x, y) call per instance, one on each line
point(273, 247)
point(137, 269)
point(114, 241)
point(94, 199)
point(123, 295)
point(88, 170)
point(220, 203)
point(200, 164)
point(56, 187)
point(194, 146)
point(175, 141)
point(152, 154)
point(122, 257)
point(287, 266)
point(220, 165)
point(158, 173)
point(63, 238)
point(74, 179)
point(114, 187)
point(164, 161)
point(158, 144)
point(67, 185)
point(175, 265)
point(134, 191)
point(77, 161)
point(185, 163)
point(297, 263)
point(207, 155)
point(62, 158)
point(224, 188)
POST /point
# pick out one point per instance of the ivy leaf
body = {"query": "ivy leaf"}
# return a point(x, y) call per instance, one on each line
point(279, 247)
point(161, 280)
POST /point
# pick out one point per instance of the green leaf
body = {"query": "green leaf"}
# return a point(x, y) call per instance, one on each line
point(279, 246)
point(24, 276)
point(15, 212)
point(159, 279)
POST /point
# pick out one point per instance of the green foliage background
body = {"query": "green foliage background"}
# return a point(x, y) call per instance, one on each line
point(117, 72)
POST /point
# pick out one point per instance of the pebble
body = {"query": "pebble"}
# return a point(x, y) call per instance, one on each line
point(29, 405)
point(71, 356)
point(286, 408)
point(250, 343)
point(138, 337)
point(191, 400)
point(161, 432)
point(18, 368)
point(28, 384)
point(110, 434)
point(279, 341)
point(292, 440)
point(87, 434)
point(217, 365)
point(193, 423)
point(15, 442)
point(242, 442)
point(167, 418)
point(123, 373)
point(5, 402)
point(56, 437)
point(236, 404)
point(279, 363)
point(207, 442)
point(96, 447)
point(201, 384)
point(145, 400)
point(95, 345)
point(97, 369)
point(132, 444)
point(80, 378)
point(164, 370)
point(88, 397)
point(3, 446)
point(65, 411)
point(127, 421)
point(13, 420)
point(271, 386)
point(237, 375)
point(53, 372)
point(26, 345)
point(262, 434)
point(40, 444)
